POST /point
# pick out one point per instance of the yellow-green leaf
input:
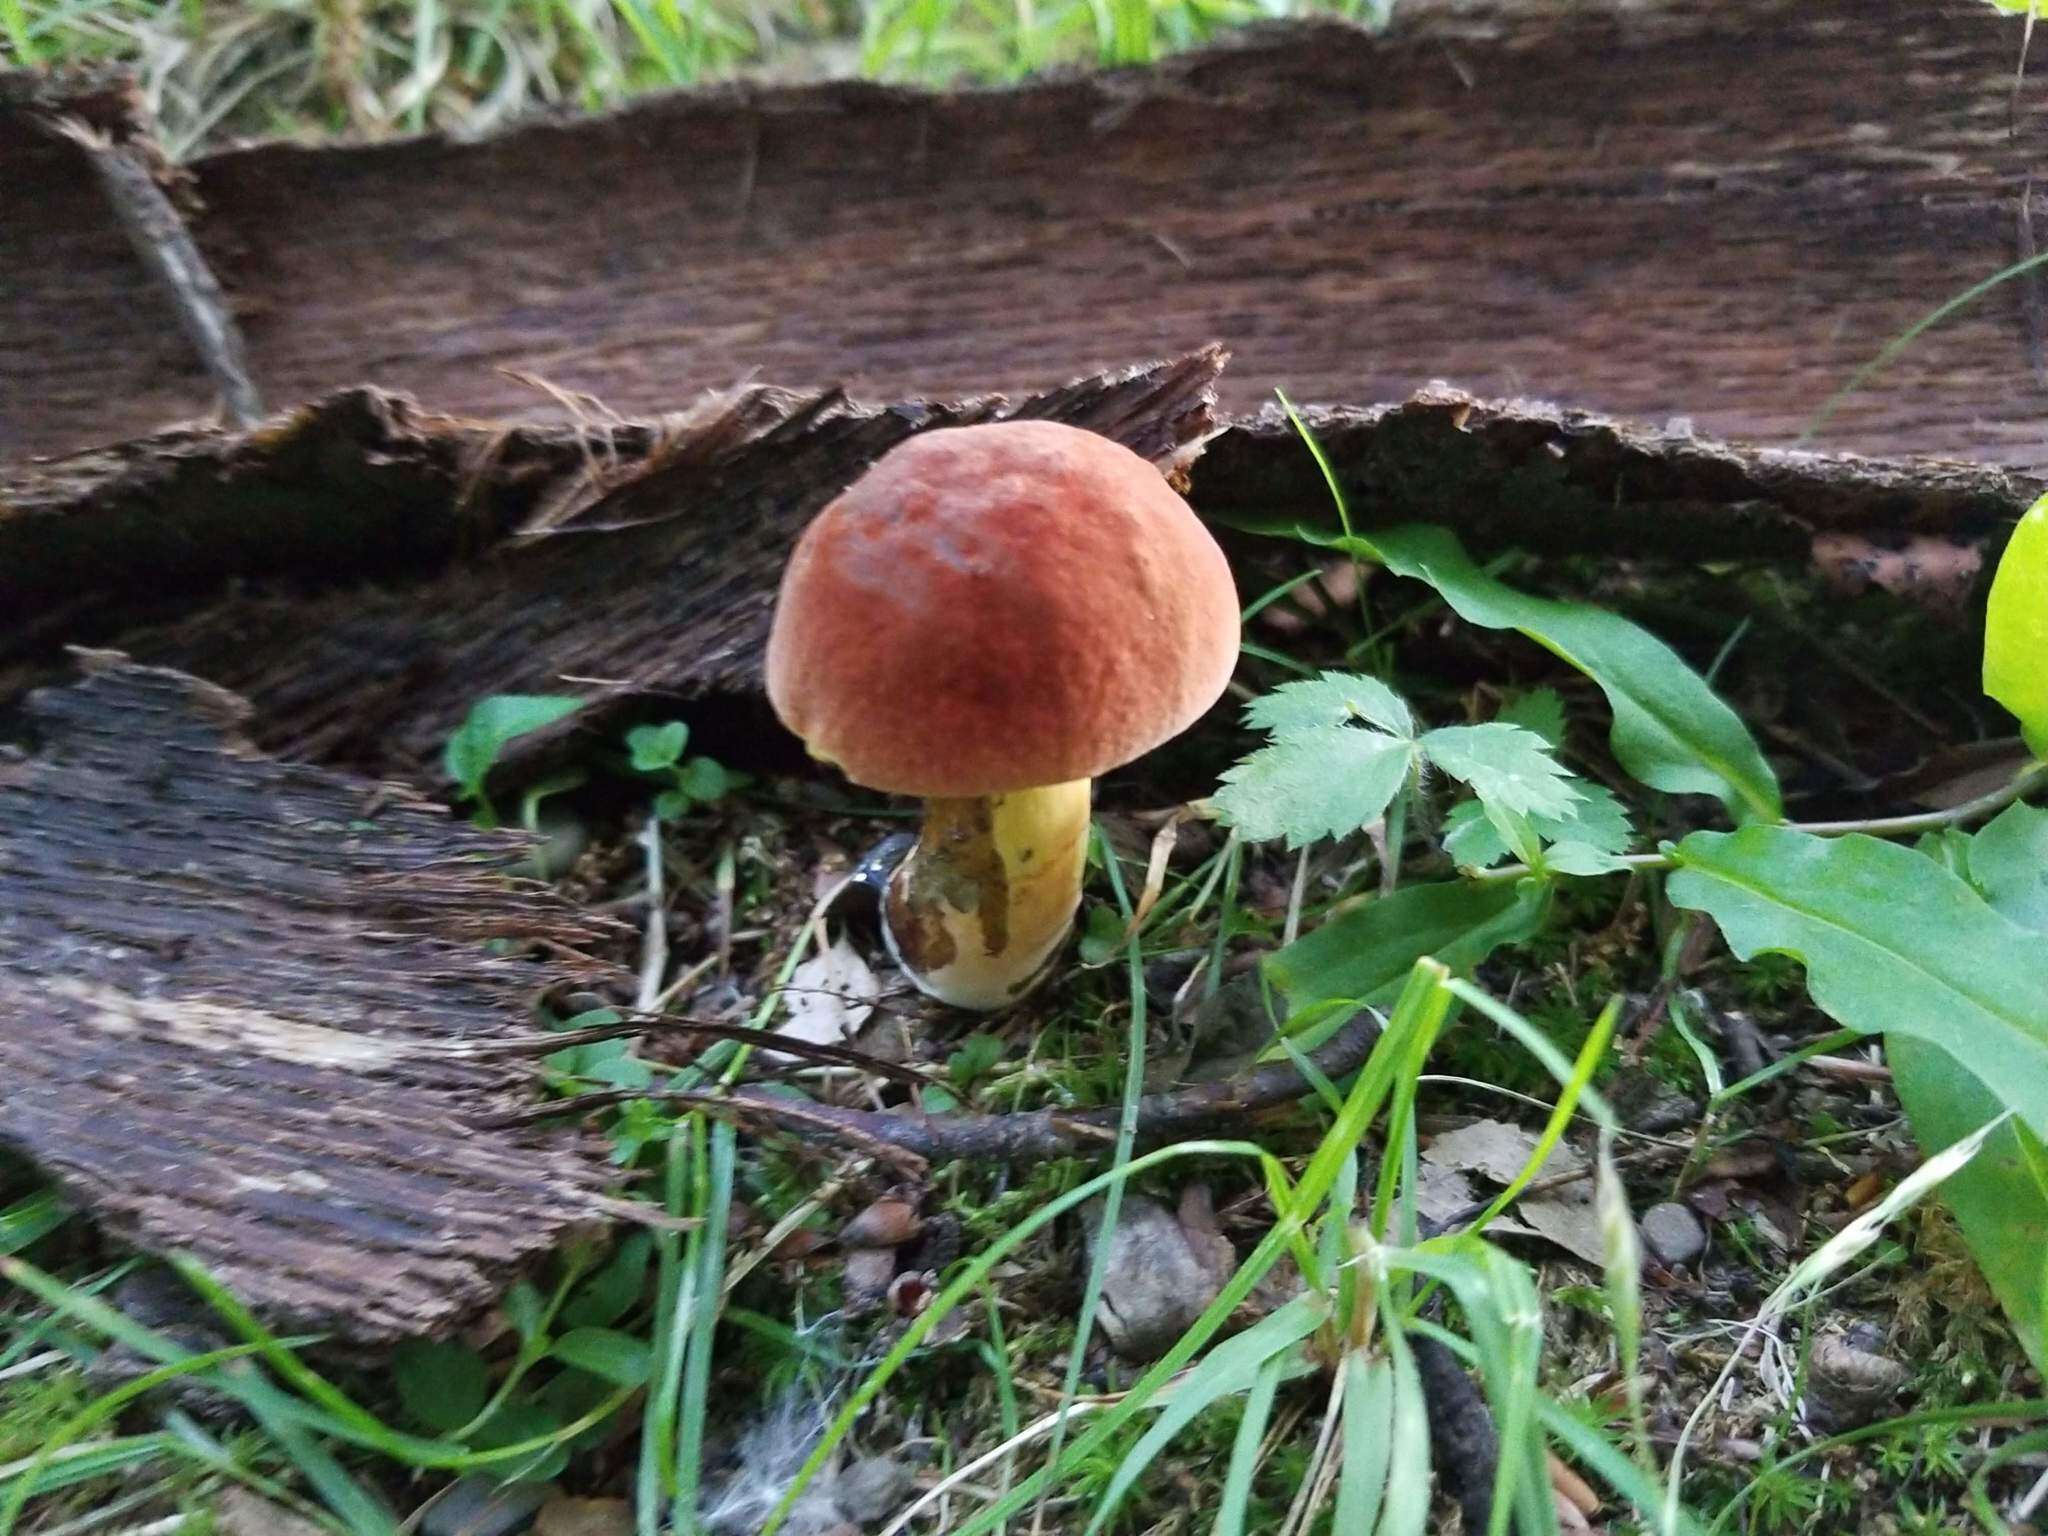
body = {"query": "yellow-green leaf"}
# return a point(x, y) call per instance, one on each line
point(2016, 628)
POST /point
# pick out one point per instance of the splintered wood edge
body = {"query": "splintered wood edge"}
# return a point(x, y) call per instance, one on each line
point(242, 1001)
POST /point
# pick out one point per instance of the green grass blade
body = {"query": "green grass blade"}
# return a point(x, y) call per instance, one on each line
point(1367, 1441)
point(1234, 1503)
point(1126, 1140)
point(31, 1219)
point(1405, 1509)
point(1231, 1368)
point(973, 1275)
point(703, 1325)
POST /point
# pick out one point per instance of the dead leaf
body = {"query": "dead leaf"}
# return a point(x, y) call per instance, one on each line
point(1573, 1225)
point(1499, 1151)
point(828, 998)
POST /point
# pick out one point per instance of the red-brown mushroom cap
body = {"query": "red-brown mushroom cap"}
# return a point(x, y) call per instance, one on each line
point(996, 607)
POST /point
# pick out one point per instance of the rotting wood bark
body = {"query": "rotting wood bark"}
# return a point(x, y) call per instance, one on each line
point(250, 1014)
point(364, 571)
point(639, 566)
point(1645, 208)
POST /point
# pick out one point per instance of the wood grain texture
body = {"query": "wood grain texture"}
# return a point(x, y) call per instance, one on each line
point(249, 1012)
point(1645, 208)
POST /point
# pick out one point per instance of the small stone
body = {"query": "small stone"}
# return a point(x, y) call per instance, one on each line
point(868, 1491)
point(867, 1276)
point(1673, 1234)
point(562, 1516)
point(1849, 1382)
point(476, 1506)
point(240, 1513)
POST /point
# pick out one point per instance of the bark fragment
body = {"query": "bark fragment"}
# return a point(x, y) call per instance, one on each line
point(248, 1011)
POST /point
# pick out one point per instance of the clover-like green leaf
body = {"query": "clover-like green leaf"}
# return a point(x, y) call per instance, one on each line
point(1335, 698)
point(1321, 781)
point(1505, 765)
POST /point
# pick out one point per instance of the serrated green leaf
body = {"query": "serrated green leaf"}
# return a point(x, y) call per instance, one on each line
point(655, 747)
point(1893, 944)
point(1365, 954)
point(1335, 698)
point(616, 1357)
point(1670, 730)
point(2016, 628)
point(975, 1058)
point(442, 1384)
point(1998, 1197)
point(1322, 781)
point(1102, 935)
point(1471, 840)
point(673, 804)
point(1572, 857)
point(494, 723)
point(1540, 710)
point(1505, 765)
point(1599, 820)
point(2008, 862)
point(1597, 828)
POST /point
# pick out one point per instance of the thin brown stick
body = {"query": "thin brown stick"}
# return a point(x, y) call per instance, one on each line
point(1012, 1138)
point(166, 247)
point(1038, 1134)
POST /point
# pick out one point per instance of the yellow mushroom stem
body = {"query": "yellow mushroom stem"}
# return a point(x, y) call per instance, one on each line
point(981, 904)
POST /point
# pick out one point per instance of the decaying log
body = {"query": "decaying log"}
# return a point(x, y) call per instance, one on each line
point(363, 571)
point(640, 566)
point(1642, 206)
point(250, 1012)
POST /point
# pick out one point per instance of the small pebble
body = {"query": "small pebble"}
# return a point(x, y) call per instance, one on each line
point(870, 1490)
point(585, 1517)
point(1673, 1234)
point(476, 1506)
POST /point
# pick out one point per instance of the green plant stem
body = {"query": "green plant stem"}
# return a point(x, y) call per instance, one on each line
point(2034, 776)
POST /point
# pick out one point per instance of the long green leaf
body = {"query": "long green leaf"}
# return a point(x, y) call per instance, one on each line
point(1999, 1198)
point(1368, 1440)
point(1365, 954)
point(1670, 729)
point(1230, 1368)
point(2009, 864)
point(1405, 1510)
point(1235, 1500)
point(1892, 943)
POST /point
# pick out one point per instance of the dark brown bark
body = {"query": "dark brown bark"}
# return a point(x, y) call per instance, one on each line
point(363, 571)
point(247, 1011)
point(1649, 209)
point(635, 568)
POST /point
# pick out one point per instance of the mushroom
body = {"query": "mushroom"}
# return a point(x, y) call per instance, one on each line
point(989, 618)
